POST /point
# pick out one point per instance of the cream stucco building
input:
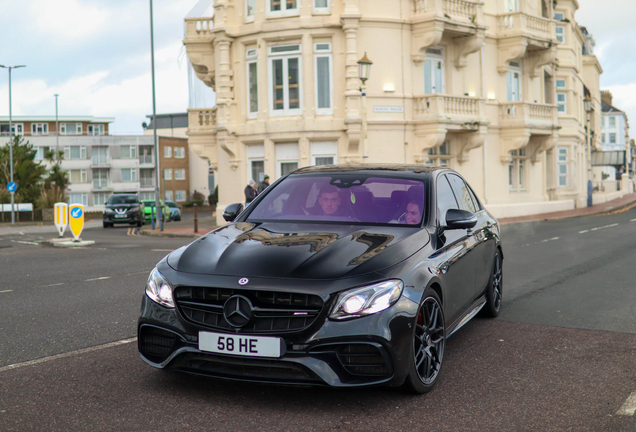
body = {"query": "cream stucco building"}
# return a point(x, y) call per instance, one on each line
point(494, 89)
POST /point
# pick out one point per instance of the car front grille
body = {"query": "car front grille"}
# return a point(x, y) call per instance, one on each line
point(362, 359)
point(273, 312)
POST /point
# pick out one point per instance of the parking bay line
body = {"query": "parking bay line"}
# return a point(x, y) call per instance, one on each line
point(629, 407)
point(68, 354)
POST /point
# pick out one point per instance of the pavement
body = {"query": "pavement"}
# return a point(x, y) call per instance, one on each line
point(207, 222)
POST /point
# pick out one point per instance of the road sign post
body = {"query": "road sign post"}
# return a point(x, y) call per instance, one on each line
point(12, 187)
point(60, 216)
point(76, 220)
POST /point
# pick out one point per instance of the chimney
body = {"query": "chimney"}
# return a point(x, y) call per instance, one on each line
point(606, 97)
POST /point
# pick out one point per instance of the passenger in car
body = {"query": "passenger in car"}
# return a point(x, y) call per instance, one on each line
point(329, 202)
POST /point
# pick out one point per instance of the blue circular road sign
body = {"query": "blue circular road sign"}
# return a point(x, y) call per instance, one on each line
point(76, 213)
point(11, 186)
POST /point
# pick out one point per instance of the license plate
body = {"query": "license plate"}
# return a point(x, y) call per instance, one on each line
point(249, 346)
point(120, 216)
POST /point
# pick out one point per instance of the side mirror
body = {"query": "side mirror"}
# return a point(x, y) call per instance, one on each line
point(460, 219)
point(232, 211)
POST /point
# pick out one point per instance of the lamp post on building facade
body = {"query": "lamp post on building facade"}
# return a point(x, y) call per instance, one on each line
point(589, 107)
point(364, 69)
point(11, 141)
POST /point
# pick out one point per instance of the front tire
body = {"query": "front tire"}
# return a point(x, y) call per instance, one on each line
point(494, 291)
point(427, 350)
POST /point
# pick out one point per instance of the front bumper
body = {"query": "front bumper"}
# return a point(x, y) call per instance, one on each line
point(130, 218)
point(366, 351)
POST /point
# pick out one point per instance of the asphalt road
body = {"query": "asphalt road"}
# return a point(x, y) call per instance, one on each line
point(560, 357)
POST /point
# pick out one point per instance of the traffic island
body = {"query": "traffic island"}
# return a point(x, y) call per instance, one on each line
point(70, 243)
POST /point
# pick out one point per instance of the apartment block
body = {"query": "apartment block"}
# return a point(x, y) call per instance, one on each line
point(506, 92)
point(614, 140)
point(174, 163)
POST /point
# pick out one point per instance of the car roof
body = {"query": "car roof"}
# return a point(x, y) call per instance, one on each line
point(379, 168)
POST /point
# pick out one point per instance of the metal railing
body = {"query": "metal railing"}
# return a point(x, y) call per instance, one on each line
point(146, 182)
point(146, 159)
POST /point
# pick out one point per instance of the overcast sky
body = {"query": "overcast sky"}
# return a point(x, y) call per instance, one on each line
point(96, 55)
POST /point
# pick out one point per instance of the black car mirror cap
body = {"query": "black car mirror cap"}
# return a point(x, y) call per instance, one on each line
point(460, 219)
point(232, 211)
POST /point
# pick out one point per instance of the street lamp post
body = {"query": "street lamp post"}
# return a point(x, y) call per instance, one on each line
point(364, 69)
point(57, 132)
point(159, 211)
point(11, 140)
point(589, 107)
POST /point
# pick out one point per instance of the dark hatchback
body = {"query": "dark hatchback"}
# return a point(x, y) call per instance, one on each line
point(123, 209)
point(336, 275)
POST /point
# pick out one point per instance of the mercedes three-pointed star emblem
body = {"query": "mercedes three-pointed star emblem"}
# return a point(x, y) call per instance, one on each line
point(237, 311)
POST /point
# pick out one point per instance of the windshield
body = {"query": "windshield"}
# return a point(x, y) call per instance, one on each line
point(171, 204)
point(123, 199)
point(344, 198)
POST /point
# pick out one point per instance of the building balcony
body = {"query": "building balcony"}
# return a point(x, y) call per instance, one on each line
point(198, 42)
point(146, 160)
point(527, 125)
point(440, 117)
point(202, 130)
point(100, 163)
point(146, 183)
point(461, 20)
point(101, 184)
point(524, 35)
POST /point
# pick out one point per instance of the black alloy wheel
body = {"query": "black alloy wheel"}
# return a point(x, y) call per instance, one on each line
point(429, 339)
point(494, 291)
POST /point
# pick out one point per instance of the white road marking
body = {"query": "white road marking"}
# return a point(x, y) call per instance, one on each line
point(629, 407)
point(584, 231)
point(57, 284)
point(141, 272)
point(68, 354)
point(25, 242)
point(99, 278)
point(550, 239)
point(632, 220)
point(603, 227)
point(161, 250)
point(5, 291)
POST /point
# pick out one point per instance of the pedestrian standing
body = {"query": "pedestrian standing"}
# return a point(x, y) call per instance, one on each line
point(250, 192)
point(264, 184)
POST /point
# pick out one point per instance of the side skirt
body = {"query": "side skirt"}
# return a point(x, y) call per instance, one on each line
point(472, 311)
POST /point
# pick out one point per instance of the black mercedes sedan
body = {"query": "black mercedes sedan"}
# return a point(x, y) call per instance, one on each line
point(335, 275)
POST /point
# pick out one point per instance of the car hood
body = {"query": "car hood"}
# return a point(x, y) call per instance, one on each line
point(312, 251)
point(121, 206)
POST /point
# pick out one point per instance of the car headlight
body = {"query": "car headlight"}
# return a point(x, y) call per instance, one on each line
point(108, 210)
point(367, 300)
point(133, 209)
point(159, 289)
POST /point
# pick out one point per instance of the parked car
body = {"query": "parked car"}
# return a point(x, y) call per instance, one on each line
point(341, 276)
point(149, 208)
point(175, 210)
point(123, 209)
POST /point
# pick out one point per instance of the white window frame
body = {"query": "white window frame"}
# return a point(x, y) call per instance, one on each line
point(511, 5)
point(133, 151)
point(559, 16)
point(95, 150)
point(96, 129)
point(560, 33)
point(103, 182)
point(251, 56)
point(285, 57)
point(440, 156)
point(18, 129)
point(83, 198)
point(324, 10)
point(82, 174)
point(167, 152)
point(612, 138)
point(323, 50)
point(100, 194)
point(324, 149)
point(517, 171)
point(147, 195)
point(179, 152)
point(78, 129)
point(562, 161)
point(433, 60)
point(168, 195)
point(180, 196)
point(255, 153)
point(286, 153)
point(39, 128)
point(603, 138)
point(248, 17)
point(560, 83)
point(67, 153)
point(562, 106)
point(510, 88)
point(179, 174)
point(133, 175)
point(611, 123)
point(167, 173)
point(284, 11)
